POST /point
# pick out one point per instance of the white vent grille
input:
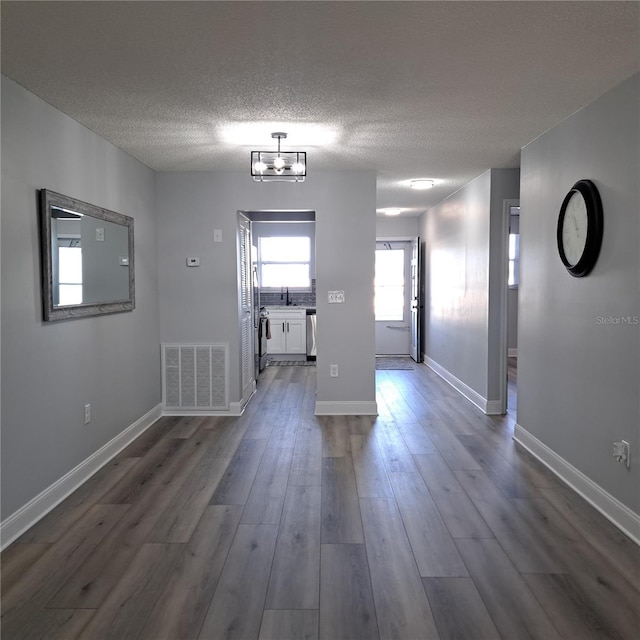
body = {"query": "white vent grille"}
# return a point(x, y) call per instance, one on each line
point(194, 377)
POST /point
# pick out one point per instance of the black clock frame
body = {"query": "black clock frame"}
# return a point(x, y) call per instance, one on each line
point(595, 228)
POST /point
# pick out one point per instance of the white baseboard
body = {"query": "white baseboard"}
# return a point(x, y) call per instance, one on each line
point(512, 352)
point(610, 507)
point(493, 408)
point(490, 407)
point(25, 517)
point(326, 408)
point(237, 408)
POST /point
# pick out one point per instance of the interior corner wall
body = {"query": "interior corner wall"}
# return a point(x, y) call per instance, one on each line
point(579, 338)
point(463, 281)
point(50, 370)
point(456, 278)
point(201, 304)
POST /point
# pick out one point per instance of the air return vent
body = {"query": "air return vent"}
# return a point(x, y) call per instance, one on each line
point(194, 377)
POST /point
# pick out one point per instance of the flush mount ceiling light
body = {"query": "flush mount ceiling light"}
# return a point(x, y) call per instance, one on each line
point(278, 166)
point(392, 211)
point(421, 184)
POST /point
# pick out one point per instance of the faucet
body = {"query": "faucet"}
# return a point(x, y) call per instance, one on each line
point(288, 303)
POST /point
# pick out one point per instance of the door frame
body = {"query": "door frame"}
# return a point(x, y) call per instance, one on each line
point(248, 387)
point(408, 240)
point(504, 301)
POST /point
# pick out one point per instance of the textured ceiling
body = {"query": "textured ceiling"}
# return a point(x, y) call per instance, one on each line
point(443, 90)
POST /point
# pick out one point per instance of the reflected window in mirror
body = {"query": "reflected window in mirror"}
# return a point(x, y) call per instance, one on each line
point(69, 289)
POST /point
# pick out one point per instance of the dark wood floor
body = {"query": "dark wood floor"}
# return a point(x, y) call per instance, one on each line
point(425, 522)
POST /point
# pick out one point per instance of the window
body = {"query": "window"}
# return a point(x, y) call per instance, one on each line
point(514, 247)
point(69, 275)
point(514, 259)
point(285, 261)
point(389, 285)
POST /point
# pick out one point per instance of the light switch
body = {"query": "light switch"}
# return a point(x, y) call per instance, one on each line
point(336, 297)
point(217, 235)
point(193, 262)
point(100, 234)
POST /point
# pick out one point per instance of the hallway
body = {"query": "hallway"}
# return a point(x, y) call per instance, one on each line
point(425, 522)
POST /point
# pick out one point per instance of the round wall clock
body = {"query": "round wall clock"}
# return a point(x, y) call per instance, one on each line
point(580, 226)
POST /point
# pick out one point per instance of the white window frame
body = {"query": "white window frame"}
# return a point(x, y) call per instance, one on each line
point(262, 263)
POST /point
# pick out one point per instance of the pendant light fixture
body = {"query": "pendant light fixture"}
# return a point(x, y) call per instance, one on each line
point(279, 166)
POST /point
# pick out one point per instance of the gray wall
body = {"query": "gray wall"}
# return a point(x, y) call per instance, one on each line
point(462, 262)
point(397, 227)
point(578, 365)
point(200, 304)
point(51, 370)
point(456, 263)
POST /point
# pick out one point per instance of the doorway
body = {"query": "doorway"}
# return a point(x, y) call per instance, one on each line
point(276, 274)
point(512, 241)
point(396, 297)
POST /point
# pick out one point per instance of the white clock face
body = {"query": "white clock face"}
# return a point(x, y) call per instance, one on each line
point(574, 228)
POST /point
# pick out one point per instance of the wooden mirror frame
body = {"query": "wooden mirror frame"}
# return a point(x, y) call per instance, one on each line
point(51, 200)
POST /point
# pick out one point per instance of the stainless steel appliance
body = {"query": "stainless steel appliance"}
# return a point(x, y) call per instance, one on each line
point(311, 334)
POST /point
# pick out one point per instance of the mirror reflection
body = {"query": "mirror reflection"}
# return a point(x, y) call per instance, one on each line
point(87, 259)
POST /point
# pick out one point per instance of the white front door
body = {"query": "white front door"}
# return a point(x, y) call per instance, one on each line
point(392, 297)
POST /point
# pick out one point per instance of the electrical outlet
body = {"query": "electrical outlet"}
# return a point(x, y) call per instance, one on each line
point(622, 452)
point(87, 413)
point(333, 370)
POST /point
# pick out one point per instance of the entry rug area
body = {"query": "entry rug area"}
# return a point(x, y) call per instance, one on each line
point(292, 363)
point(389, 363)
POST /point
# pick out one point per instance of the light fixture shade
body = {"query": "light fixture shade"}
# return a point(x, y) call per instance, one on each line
point(421, 184)
point(278, 166)
point(286, 166)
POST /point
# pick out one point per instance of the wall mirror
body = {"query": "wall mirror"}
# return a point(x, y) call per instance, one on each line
point(87, 258)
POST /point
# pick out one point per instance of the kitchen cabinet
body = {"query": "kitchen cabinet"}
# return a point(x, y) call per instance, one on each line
point(288, 331)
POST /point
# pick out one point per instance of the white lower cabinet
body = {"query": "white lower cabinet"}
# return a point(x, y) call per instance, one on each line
point(288, 332)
